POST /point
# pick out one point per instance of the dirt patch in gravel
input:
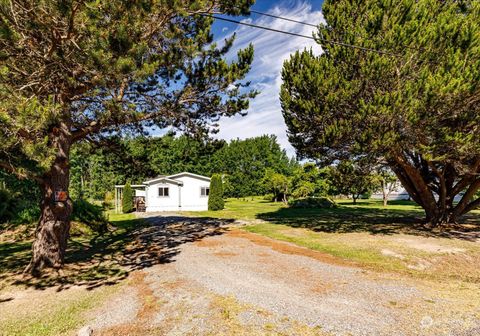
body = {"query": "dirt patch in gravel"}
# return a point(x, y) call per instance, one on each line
point(207, 243)
point(287, 248)
point(138, 325)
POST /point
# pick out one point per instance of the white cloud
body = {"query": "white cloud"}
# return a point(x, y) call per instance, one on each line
point(271, 50)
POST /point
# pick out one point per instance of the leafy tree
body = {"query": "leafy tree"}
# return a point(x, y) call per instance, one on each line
point(170, 154)
point(22, 196)
point(388, 183)
point(246, 161)
point(215, 198)
point(349, 178)
point(414, 104)
point(127, 198)
point(277, 184)
point(74, 70)
point(309, 180)
point(7, 205)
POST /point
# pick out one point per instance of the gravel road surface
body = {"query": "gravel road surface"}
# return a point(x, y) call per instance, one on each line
point(238, 283)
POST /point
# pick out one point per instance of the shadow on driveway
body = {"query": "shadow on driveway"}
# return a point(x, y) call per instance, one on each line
point(106, 260)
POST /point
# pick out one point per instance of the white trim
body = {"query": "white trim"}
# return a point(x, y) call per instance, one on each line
point(163, 187)
point(163, 179)
point(204, 187)
point(189, 174)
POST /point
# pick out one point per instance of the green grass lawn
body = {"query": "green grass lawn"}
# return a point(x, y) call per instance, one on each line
point(242, 208)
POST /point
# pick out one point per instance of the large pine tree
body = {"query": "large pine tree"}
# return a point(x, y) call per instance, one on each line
point(73, 70)
point(408, 94)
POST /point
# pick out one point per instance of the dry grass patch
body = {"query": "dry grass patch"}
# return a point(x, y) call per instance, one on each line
point(48, 312)
point(417, 256)
point(229, 319)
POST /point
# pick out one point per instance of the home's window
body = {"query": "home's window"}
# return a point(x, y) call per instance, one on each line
point(163, 191)
point(204, 191)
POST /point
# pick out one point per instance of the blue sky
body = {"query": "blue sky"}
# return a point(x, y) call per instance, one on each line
point(271, 49)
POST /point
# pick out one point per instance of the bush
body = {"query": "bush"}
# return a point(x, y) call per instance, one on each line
point(366, 195)
point(215, 199)
point(28, 214)
point(7, 205)
point(269, 197)
point(90, 214)
point(312, 202)
point(108, 200)
point(127, 199)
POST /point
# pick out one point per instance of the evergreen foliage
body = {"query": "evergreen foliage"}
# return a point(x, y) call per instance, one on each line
point(90, 214)
point(127, 198)
point(75, 70)
point(215, 199)
point(414, 105)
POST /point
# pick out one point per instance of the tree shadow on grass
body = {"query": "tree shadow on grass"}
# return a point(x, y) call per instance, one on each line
point(346, 218)
point(106, 260)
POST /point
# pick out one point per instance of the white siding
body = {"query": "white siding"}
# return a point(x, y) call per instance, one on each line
point(139, 193)
point(156, 203)
point(191, 199)
point(186, 197)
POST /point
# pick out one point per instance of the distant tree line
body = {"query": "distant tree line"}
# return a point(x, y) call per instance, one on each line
point(242, 163)
point(251, 167)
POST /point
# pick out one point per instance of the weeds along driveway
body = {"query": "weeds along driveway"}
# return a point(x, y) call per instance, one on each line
point(239, 283)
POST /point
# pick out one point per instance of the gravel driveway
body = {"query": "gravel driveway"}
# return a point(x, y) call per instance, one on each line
point(238, 283)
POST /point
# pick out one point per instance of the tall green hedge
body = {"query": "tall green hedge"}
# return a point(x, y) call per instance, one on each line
point(215, 199)
point(127, 199)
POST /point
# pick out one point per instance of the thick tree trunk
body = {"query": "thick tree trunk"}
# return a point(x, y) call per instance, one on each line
point(434, 187)
point(51, 235)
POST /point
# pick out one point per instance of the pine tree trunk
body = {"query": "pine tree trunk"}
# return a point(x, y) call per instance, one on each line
point(438, 205)
point(52, 232)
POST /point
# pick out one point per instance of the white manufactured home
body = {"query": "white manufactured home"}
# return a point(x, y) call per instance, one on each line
point(180, 192)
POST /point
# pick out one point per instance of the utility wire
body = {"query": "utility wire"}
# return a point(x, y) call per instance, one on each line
point(309, 24)
point(347, 45)
point(283, 18)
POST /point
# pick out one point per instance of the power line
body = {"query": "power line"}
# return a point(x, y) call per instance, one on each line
point(347, 45)
point(308, 24)
point(257, 26)
point(283, 18)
